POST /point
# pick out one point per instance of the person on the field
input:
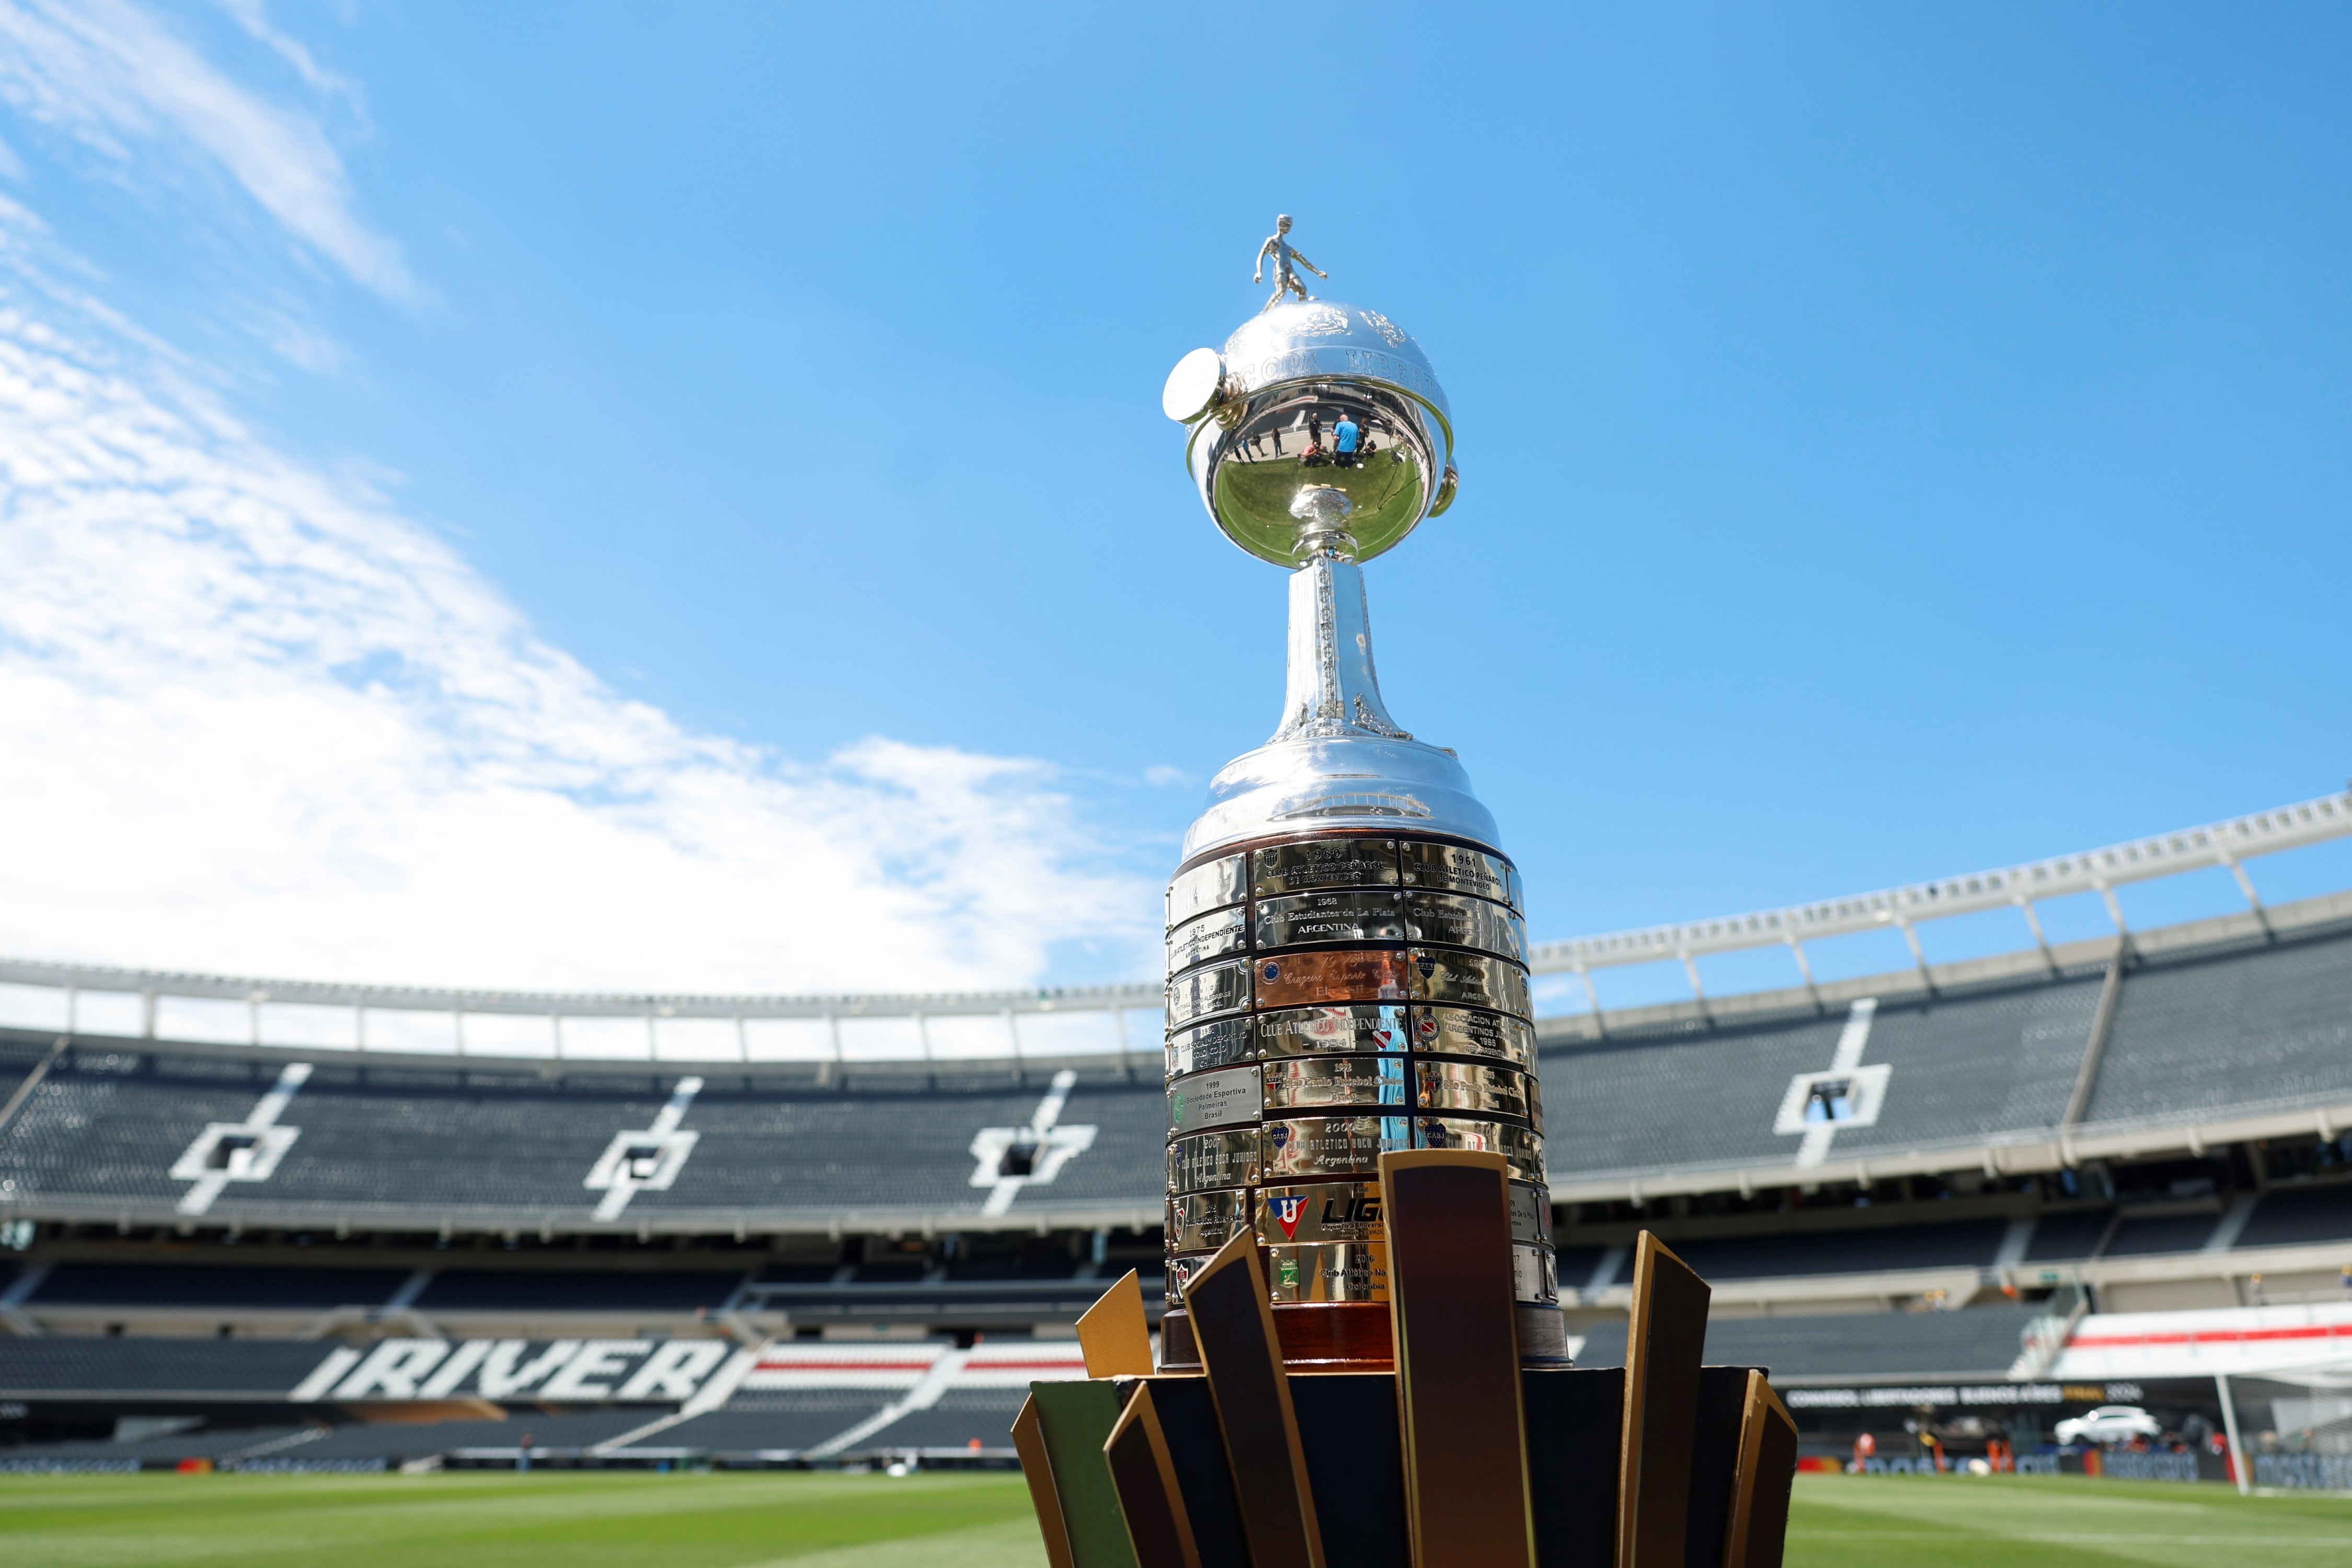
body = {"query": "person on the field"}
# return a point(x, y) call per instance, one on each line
point(1344, 437)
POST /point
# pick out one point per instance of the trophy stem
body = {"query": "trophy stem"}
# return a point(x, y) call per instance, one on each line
point(1333, 689)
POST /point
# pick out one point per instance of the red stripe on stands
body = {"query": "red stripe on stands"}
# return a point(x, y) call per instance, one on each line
point(2208, 1336)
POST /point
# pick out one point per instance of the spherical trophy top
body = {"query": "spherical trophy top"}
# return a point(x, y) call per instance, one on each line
point(1312, 396)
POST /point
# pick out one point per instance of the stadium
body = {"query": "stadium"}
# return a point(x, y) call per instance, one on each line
point(655, 909)
point(272, 1227)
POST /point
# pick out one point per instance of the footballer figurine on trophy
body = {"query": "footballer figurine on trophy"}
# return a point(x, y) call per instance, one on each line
point(1346, 953)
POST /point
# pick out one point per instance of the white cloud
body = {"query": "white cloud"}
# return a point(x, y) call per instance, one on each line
point(254, 18)
point(254, 722)
point(295, 339)
point(118, 81)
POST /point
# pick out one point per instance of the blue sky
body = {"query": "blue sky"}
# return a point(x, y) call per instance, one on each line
point(1893, 443)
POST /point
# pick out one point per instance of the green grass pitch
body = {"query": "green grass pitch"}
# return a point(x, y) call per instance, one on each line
point(634, 1519)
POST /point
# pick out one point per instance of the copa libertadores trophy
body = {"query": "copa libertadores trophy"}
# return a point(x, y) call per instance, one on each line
point(1346, 953)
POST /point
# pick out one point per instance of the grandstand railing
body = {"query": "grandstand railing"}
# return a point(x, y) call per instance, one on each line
point(1033, 1024)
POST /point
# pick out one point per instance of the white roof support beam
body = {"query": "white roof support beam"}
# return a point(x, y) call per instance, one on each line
point(2100, 871)
point(2226, 844)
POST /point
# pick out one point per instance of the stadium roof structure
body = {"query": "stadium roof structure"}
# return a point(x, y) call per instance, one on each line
point(315, 1014)
point(2225, 844)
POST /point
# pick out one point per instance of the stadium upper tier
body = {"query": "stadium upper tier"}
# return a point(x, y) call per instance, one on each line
point(2180, 1038)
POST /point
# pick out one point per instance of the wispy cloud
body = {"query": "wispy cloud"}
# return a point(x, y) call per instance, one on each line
point(120, 82)
point(254, 18)
point(255, 721)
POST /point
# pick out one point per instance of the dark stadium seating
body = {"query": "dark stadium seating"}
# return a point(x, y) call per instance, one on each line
point(52, 1366)
point(960, 1416)
point(214, 1285)
point(321, 1447)
point(1964, 1243)
point(785, 1421)
point(1046, 1260)
point(2068, 1234)
point(216, 1444)
point(953, 1299)
point(20, 1053)
point(2247, 1028)
point(1976, 1341)
point(2262, 1026)
point(1996, 1065)
point(2298, 1216)
point(420, 1143)
point(2140, 1235)
point(797, 1274)
point(1603, 1103)
point(1574, 1265)
point(402, 1440)
point(2251, 1028)
point(577, 1290)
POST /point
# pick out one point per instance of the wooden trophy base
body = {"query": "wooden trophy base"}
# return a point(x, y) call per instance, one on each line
point(1339, 1336)
point(1461, 1455)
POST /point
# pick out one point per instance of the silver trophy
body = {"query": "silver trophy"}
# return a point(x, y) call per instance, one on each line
point(1346, 953)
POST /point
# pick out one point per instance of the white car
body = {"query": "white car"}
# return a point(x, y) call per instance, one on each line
point(2110, 1424)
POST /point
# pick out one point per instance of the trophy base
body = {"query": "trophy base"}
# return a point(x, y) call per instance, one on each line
point(1355, 1336)
point(1338, 1336)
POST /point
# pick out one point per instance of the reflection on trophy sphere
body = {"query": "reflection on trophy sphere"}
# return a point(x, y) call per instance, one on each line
point(1315, 416)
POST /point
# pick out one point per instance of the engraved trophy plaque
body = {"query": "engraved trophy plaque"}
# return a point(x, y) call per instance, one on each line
point(1346, 953)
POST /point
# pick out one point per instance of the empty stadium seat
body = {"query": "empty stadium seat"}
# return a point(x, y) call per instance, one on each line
point(215, 1285)
point(389, 1141)
point(1971, 1067)
point(1962, 1243)
point(578, 1291)
point(1976, 1341)
point(52, 1366)
point(2253, 1025)
point(216, 1444)
point(409, 1440)
point(1046, 1262)
point(960, 1416)
point(2140, 1235)
point(2067, 1235)
point(797, 1274)
point(1575, 1265)
point(784, 1421)
point(2295, 1217)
